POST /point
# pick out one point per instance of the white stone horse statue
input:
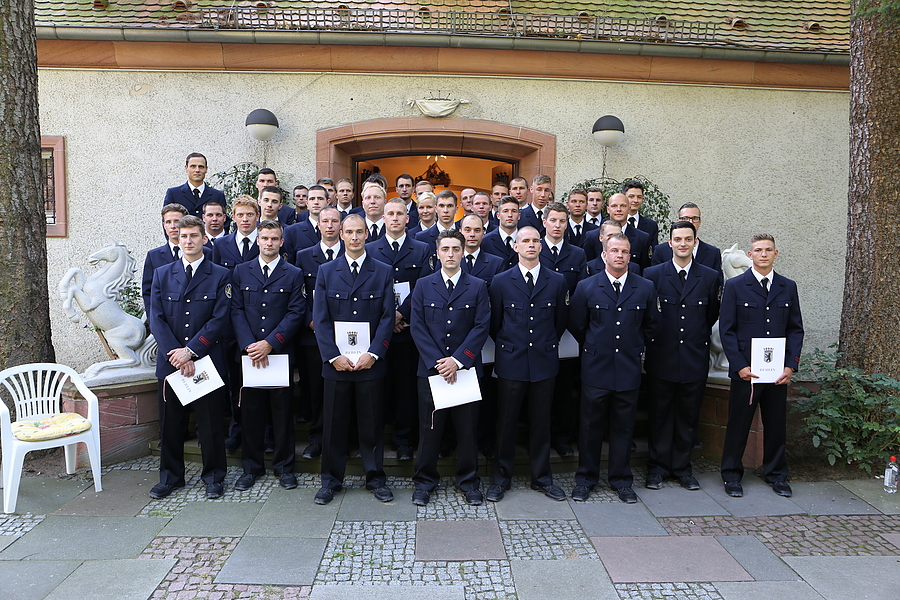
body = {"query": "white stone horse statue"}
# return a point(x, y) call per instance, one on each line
point(734, 262)
point(98, 298)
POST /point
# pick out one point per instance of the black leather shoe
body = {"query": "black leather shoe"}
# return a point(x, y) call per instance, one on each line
point(564, 450)
point(551, 491)
point(232, 445)
point(383, 494)
point(326, 495)
point(782, 489)
point(627, 495)
point(581, 493)
point(312, 451)
point(653, 482)
point(421, 497)
point(689, 482)
point(734, 489)
point(474, 497)
point(404, 452)
point(215, 490)
point(495, 493)
point(161, 490)
point(245, 482)
point(287, 480)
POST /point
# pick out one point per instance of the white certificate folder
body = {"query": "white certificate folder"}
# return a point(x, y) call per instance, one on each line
point(465, 389)
point(352, 338)
point(276, 375)
point(767, 359)
point(205, 379)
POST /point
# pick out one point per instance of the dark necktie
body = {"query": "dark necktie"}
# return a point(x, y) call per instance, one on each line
point(265, 272)
point(470, 261)
point(555, 253)
point(189, 272)
point(354, 270)
point(450, 286)
point(631, 222)
point(318, 233)
point(594, 221)
point(529, 279)
point(374, 231)
point(329, 255)
point(176, 252)
point(396, 246)
point(765, 284)
point(197, 197)
point(618, 286)
point(540, 215)
point(245, 253)
point(577, 230)
point(509, 243)
point(682, 274)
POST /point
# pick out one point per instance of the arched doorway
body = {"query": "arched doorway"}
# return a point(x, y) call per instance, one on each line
point(338, 149)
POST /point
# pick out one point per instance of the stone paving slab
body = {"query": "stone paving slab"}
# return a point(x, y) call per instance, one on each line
point(829, 498)
point(850, 577)
point(273, 561)
point(89, 538)
point(754, 590)
point(602, 519)
point(388, 592)
point(33, 580)
point(359, 504)
point(6, 540)
point(667, 591)
point(541, 579)
point(679, 502)
point(125, 493)
point(128, 579)
point(212, 519)
point(45, 495)
point(667, 559)
point(893, 538)
point(292, 513)
point(756, 559)
point(519, 505)
point(458, 541)
point(759, 500)
point(872, 492)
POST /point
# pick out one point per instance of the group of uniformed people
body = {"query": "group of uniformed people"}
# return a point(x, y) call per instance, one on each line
point(564, 317)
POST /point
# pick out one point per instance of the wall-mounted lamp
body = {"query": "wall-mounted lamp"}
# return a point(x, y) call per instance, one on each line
point(262, 124)
point(608, 131)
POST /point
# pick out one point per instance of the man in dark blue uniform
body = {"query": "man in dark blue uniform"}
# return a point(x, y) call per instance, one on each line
point(705, 254)
point(500, 241)
point(358, 289)
point(481, 206)
point(579, 228)
point(267, 310)
point(404, 188)
point(194, 193)
point(677, 358)
point(541, 194)
point(216, 222)
point(640, 240)
point(451, 316)
point(528, 306)
point(165, 254)
point(634, 192)
point(373, 198)
point(266, 177)
point(758, 304)
point(189, 306)
point(308, 261)
point(409, 260)
point(446, 203)
point(610, 314)
point(306, 234)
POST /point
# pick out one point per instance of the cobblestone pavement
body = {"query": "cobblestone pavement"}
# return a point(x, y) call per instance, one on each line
point(667, 591)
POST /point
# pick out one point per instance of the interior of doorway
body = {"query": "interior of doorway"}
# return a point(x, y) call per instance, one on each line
point(459, 172)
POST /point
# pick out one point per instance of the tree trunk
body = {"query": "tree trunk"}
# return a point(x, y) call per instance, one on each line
point(870, 319)
point(24, 299)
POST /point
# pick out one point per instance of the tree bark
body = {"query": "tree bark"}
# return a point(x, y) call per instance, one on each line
point(24, 300)
point(870, 318)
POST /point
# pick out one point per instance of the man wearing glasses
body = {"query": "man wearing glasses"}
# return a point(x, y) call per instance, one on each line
point(705, 254)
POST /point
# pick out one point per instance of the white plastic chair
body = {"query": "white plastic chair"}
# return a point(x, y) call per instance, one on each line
point(36, 390)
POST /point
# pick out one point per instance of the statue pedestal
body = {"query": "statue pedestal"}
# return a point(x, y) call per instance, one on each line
point(129, 419)
point(714, 418)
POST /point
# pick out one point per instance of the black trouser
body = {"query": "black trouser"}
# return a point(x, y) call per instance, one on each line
point(431, 430)
point(673, 408)
point(314, 385)
point(565, 403)
point(339, 399)
point(772, 402)
point(599, 408)
point(401, 401)
point(511, 395)
point(259, 407)
point(173, 417)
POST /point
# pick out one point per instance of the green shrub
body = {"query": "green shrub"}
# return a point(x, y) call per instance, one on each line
point(854, 416)
point(656, 202)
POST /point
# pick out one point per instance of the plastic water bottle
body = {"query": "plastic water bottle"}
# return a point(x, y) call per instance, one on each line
point(890, 476)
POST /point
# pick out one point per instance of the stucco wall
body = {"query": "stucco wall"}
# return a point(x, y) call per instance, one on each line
point(753, 159)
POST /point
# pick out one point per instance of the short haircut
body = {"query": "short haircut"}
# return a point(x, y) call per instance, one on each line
point(245, 201)
point(448, 194)
point(508, 200)
point(594, 189)
point(317, 188)
point(485, 194)
point(450, 233)
point(762, 237)
point(540, 178)
point(270, 224)
point(212, 203)
point(336, 212)
point(617, 236)
point(376, 178)
point(375, 184)
point(173, 207)
point(522, 179)
point(555, 207)
point(300, 187)
point(578, 192)
point(353, 217)
point(426, 196)
point(345, 180)
point(191, 221)
point(194, 155)
point(688, 205)
point(632, 183)
point(426, 182)
point(405, 176)
point(462, 222)
point(682, 225)
point(325, 181)
point(500, 183)
point(397, 200)
point(606, 225)
point(266, 171)
point(272, 189)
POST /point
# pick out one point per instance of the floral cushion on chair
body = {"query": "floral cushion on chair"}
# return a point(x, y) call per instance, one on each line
point(50, 428)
